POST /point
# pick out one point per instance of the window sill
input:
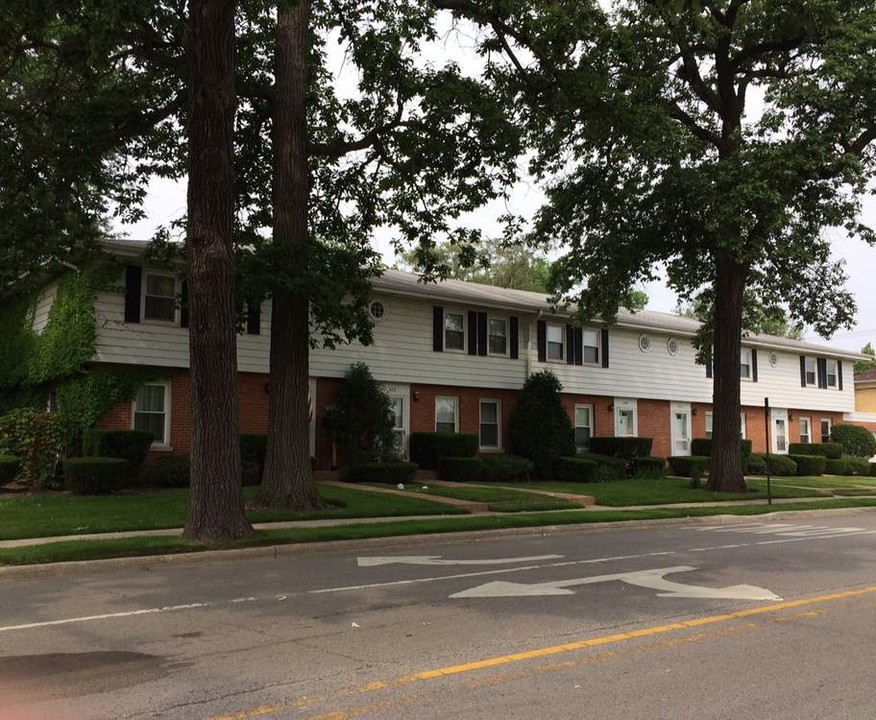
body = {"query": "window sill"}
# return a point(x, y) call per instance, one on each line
point(160, 448)
point(490, 450)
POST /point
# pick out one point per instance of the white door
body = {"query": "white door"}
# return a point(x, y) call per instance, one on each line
point(680, 424)
point(779, 431)
point(311, 413)
point(400, 397)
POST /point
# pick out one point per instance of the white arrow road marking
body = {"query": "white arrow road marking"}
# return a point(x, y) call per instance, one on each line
point(437, 560)
point(652, 579)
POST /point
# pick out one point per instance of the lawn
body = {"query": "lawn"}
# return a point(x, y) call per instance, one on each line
point(827, 482)
point(498, 499)
point(26, 516)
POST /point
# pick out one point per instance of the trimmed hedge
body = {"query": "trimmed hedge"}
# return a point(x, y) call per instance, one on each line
point(427, 449)
point(94, 475)
point(782, 466)
point(809, 464)
point(649, 468)
point(872, 469)
point(838, 467)
point(622, 447)
point(702, 447)
point(397, 471)
point(460, 469)
point(130, 445)
point(756, 464)
point(9, 467)
point(169, 471)
point(575, 469)
point(859, 466)
point(832, 451)
point(689, 466)
point(505, 468)
point(252, 448)
point(856, 440)
point(607, 468)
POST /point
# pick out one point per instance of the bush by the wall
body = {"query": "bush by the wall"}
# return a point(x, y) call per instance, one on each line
point(809, 465)
point(703, 447)
point(859, 466)
point(782, 466)
point(94, 475)
point(689, 466)
point(575, 469)
point(427, 448)
point(37, 438)
point(829, 450)
point(539, 427)
point(872, 469)
point(607, 468)
point(394, 471)
point(856, 440)
point(460, 469)
point(649, 467)
point(622, 447)
point(9, 468)
point(130, 445)
point(169, 471)
point(252, 448)
point(756, 464)
point(505, 468)
point(837, 467)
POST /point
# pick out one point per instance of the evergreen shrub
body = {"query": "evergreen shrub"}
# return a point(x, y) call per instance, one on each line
point(859, 465)
point(392, 471)
point(622, 447)
point(809, 465)
point(427, 448)
point(702, 447)
point(837, 467)
point(689, 466)
point(9, 468)
point(575, 469)
point(607, 468)
point(648, 467)
point(829, 450)
point(782, 466)
point(94, 475)
point(505, 468)
point(169, 471)
point(756, 464)
point(460, 469)
point(130, 445)
point(856, 440)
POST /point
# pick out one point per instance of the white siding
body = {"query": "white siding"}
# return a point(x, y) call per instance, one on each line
point(41, 309)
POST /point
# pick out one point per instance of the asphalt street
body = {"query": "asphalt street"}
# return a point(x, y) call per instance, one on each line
point(769, 617)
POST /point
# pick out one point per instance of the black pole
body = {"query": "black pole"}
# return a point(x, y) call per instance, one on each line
point(766, 415)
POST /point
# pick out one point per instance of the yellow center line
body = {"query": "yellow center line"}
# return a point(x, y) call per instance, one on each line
point(527, 655)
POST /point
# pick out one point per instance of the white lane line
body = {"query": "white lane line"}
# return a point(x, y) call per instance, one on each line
point(129, 613)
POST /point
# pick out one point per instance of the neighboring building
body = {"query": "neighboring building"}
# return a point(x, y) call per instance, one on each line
point(865, 391)
point(453, 356)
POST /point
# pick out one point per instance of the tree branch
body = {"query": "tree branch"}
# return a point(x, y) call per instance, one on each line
point(704, 134)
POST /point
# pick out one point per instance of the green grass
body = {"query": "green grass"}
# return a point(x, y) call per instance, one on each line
point(129, 547)
point(497, 499)
point(827, 482)
point(32, 516)
point(620, 493)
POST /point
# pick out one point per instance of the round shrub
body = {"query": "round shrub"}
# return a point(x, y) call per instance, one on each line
point(782, 466)
point(94, 475)
point(505, 468)
point(856, 440)
point(394, 472)
point(460, 469)
point(837, 467)
point(575, 469)
point(9, 468)
point(859, 466)
point(130, 445)
point(756, 464)
point(809, 465)
point(649, 467)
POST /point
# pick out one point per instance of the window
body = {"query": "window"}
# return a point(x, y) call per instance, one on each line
point(498, 339)
point(159, 297)
point(805, 430)
point(709, 420)
point(831, 373)
point(591, 346)
point(583, 427)
point(151, 411)
point(809, 371)
point(745, 364)
point(377, 309)
point(446, 417)
point(555, 340)
point(825, 429)
point(489, 429)
point(454, 331)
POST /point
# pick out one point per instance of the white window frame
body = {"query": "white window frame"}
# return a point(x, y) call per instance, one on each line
point(455, 401)
point(808, 434)
point(827, 374)
point(626, 405)
point(709, 426)
point(829, 428)
point(742, 425)
point(806, 360)
point(176, 290)
point(745, 362)
point(598, 346)
point(562, 343)
point(156, 445)
point(498, 446)
point(590, 408)
point(505, 319)
point(464, 317)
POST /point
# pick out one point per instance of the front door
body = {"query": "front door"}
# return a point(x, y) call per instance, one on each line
point(680, 424)
point(400, 398)
point(779, 431)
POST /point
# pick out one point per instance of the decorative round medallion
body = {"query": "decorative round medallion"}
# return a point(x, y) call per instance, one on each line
point(377, 309)
point(672, 346)
point(774, 359)
point(644, 343)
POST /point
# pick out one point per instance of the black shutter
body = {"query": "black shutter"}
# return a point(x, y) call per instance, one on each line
point(133, 288)
point(709, 371)
point(184, 304)
point(753, 364)
point(604, 352)
point(482, 333)
point(513, 340)
point(253, 318)
point(570, 345)
point(839, 374)
point(472, 333)
point(579, 346)
point(438, 328)
point(802, 371)
point(542, 341)
point(822, 372)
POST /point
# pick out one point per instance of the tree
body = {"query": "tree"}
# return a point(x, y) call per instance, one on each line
point(643, 124)
point(864, 365)
point(767, 321)
point(216, 505)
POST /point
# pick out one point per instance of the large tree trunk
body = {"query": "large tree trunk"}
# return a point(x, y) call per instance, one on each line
point(216, 510)
point(725, 467)
point(287, 480)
